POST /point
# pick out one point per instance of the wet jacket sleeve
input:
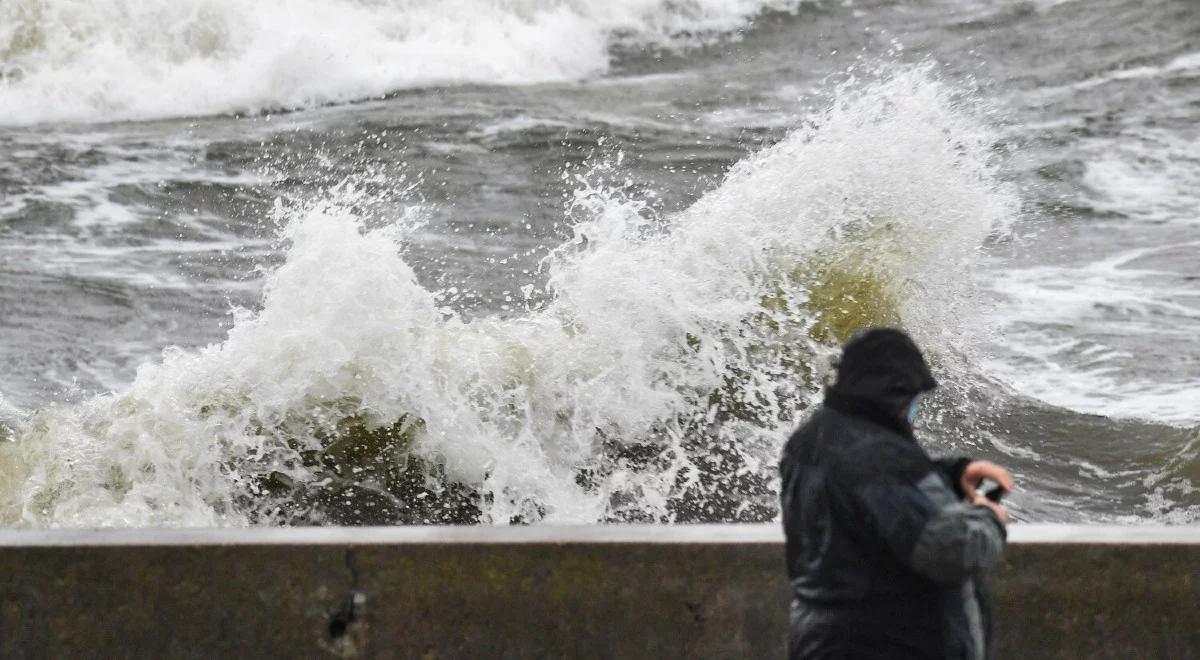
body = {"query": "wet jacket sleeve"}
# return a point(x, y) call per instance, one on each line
point(929, 529)
point(952, 469)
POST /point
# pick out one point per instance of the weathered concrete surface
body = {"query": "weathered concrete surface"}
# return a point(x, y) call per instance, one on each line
point(615, 592)
point(1098, 601)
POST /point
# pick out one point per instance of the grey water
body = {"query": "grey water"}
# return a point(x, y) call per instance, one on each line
point(120, 237)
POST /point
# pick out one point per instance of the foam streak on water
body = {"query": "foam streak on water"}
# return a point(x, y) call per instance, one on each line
point(657, 333)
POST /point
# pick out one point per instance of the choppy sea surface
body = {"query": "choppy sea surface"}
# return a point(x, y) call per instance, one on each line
point(395, 261)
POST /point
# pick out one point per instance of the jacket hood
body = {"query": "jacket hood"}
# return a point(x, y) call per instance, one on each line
point(880, 373)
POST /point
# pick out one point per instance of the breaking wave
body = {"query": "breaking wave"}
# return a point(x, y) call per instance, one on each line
point(654, 380)
point(99, 60)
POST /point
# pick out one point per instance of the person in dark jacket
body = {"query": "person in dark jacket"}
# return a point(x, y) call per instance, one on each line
point(885, 546)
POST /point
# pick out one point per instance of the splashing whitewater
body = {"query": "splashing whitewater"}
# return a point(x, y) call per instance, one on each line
point(656, 383)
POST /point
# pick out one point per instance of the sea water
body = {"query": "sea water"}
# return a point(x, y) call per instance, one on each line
point(550, 261)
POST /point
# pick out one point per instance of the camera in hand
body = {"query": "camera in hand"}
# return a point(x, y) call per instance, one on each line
point(991, 490)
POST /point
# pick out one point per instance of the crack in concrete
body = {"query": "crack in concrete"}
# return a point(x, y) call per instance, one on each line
point(347, 632)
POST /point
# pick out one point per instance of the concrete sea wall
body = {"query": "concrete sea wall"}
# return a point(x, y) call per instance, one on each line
point(706, 591)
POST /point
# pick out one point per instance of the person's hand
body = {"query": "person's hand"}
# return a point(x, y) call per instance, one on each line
point(977, 471)
point(1001, 512)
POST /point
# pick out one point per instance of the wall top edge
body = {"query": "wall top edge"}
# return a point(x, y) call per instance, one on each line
point(718, 534)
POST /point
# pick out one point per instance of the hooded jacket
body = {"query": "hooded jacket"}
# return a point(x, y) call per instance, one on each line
point(883, 555)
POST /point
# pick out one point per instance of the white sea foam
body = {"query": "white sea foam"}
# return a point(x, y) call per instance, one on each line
point(1118, 303)
point(1099, 391)
point(1151, 175)
point(520, 124)
point(9, 415)
point(1186, 64)
point(647, 318)
point(1078, 333)
point(96, 60)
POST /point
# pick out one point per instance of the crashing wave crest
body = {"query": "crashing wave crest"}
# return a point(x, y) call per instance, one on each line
point(98, 60)
point(655, 382)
